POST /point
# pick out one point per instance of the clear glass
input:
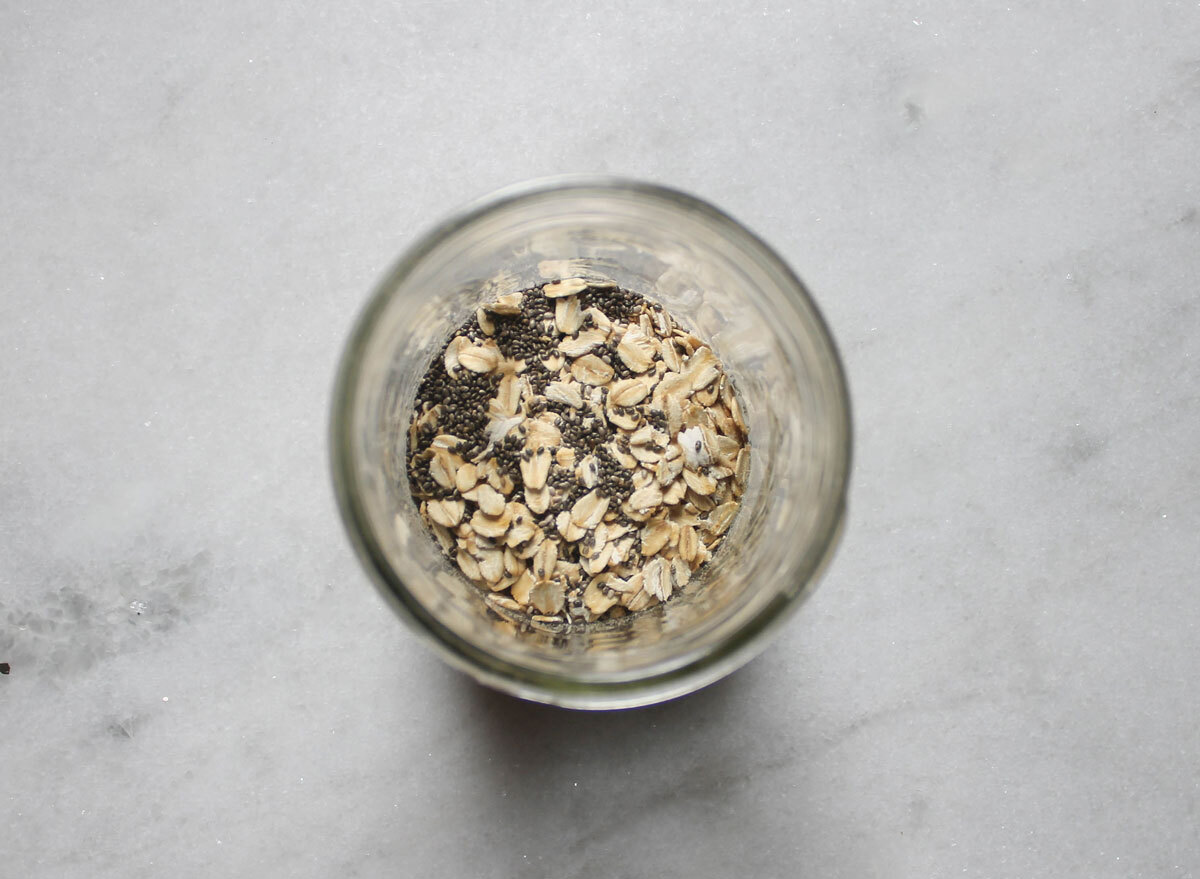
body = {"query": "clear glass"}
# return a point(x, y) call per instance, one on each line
point(732, 290)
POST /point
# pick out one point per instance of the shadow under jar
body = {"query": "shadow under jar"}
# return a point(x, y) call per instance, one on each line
point(718, 280)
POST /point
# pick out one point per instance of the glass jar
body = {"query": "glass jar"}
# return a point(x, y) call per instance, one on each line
point(717, 279)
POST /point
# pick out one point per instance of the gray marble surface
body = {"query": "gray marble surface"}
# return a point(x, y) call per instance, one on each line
point(998, 206)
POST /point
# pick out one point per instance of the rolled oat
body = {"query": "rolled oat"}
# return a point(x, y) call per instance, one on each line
point(577, 453)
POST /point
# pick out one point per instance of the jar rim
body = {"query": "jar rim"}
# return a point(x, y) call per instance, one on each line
point(460, 652)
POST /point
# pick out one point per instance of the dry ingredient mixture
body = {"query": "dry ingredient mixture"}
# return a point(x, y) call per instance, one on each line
point(577, 454)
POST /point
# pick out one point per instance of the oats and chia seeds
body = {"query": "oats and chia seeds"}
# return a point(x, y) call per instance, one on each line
point(576, 453)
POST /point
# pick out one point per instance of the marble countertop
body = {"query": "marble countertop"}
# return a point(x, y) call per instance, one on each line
point(998, 208)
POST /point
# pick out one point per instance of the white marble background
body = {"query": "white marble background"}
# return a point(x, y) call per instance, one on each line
point(998, 206)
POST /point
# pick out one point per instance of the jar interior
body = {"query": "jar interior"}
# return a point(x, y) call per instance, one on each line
point(717, 281)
